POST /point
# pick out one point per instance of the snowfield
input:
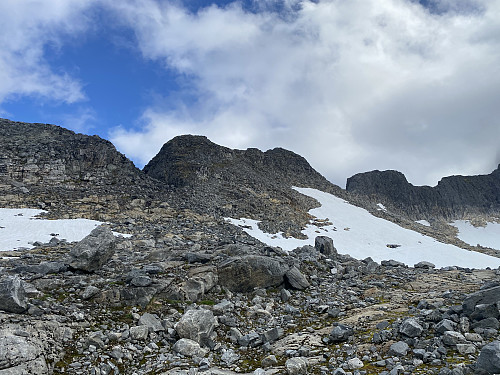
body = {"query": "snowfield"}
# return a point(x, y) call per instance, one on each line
point(358, 233)
point(19, 228)
point(488, 235)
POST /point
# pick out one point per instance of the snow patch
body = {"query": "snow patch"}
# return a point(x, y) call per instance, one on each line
point(423, 222)
point(358, 233)
point(488, 236)
point(19, 228)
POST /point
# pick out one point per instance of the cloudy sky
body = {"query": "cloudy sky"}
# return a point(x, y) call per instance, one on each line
point(352, 85)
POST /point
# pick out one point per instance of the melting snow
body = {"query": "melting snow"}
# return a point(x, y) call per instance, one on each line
point(358, 233)
point(488, 235)
point(423, 222)
point(19, 228)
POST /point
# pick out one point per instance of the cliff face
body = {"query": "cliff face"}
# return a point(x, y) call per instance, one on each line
point(238, 183)
point(49, 166)
point(40, 154)
point(453, 197)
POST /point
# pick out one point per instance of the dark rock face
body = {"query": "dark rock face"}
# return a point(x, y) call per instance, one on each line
point(238, 183)
point(452, 197)
point(41, 157)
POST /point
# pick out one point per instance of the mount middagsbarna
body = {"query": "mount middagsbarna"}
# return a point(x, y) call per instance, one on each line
point(216, 261)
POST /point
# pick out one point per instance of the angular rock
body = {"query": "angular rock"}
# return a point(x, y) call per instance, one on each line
point(197, 325)
point(354, 363)
point(398, 349)
point(340, 333)
point(484, 311)
point(489, 358)
point(45, 268)
point(411, 328)
point(392, 263)
point(424, 264)
point(451, 338)
point(486, 296)
point(269, 361)
point(90, 292)
point(271, 335)
point(15, 350)
point(12, 295)
point(324, 245)
point(251, 339)
point(445, 325)
point(91, 253)
point(296, 366)
point(296, 279)
point(152, 322)
point(491, 323)
point(243, 274)
point(189, 348)
point(229, 357)
point(466, 348)
point(139, 332)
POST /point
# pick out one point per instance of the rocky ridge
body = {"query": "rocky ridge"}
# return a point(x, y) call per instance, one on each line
point(454, 197)
point(240, 183)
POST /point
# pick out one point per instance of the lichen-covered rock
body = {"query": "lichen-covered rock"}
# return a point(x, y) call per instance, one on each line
point(296, 366)
point(17, 354)
point(243, 274)
point(91, 253)
point(197, 325)
point(296, 279)
point(12, 295)
point(189, 348)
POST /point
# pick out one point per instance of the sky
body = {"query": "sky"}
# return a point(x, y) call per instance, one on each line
point(351, 85)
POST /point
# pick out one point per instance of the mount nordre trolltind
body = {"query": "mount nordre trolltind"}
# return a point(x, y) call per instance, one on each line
point(187, 293)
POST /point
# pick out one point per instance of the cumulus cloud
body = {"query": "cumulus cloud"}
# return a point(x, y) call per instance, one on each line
point(350, 85)
point(31, 30)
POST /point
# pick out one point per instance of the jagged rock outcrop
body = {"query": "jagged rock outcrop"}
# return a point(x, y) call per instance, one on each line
point(239, 183)
point(453, 197)
point(48, 165)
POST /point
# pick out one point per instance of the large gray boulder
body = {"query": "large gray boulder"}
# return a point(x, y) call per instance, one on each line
point(19, 356)
point(197, 325)
point(91, 253)
point(481, 297)
point(244, 274)
point(324, 245)
point(12, 295)
point(296, 279)
point(489, 358)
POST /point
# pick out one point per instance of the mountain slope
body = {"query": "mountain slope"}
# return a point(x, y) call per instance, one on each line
point(239, 183)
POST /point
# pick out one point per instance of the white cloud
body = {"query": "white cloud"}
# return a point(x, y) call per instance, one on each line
point(352, 86)
point(29, 31)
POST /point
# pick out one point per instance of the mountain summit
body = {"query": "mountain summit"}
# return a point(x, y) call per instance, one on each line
point(239, 183)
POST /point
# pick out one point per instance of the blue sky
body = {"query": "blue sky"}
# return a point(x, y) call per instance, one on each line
point(351, 85)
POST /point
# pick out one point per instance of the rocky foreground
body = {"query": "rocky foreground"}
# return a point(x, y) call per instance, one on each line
point(200, 296)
